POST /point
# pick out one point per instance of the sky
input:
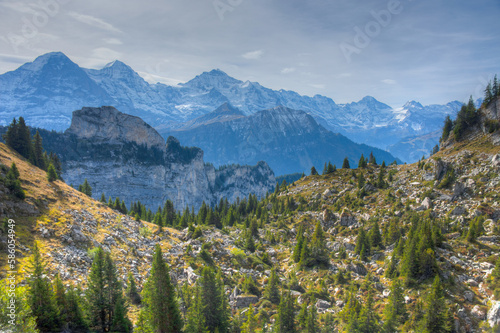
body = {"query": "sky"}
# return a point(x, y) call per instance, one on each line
point(431, 51)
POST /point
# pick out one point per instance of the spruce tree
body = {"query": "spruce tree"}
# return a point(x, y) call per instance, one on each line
point(271, 292)
point(435, 319)
point(448, 126)
point(250, 325)
point(313, 171)
point(371, 159)
point(375, 237)
point(312, 319)
point(300, 242)
point(214, 305)
point(286, 314)
point(38, 156)
point(41, 295)
point(395, 313)
point(345, 164)
point(318, 246)
point(51, 173)
point(161, 307)
point(13, 183)
point(330, 168)
point(131, 291)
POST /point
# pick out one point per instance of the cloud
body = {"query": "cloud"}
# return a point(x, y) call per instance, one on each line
point(106, 54)
point(94, 22)
point(343, 75)
point(253, 55)
point(288, 70)
point(317, 86)
point(389, 81)
point(112, 41)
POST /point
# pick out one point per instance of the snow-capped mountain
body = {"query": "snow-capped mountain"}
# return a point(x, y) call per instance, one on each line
point(47, 90)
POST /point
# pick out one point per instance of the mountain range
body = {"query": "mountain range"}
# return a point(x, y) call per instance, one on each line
point(288, 140)
point(48, 89)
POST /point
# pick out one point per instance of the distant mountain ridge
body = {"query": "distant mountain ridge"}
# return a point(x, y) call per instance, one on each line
point(288, 140)
point(48, 89)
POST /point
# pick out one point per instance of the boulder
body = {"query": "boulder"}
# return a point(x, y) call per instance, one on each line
point(469, 296)
point(346, 218)
point(495, 160)
point(322, 304)
point(494, 314)
point(244, 301)
point(458, 210)
point(478, 313)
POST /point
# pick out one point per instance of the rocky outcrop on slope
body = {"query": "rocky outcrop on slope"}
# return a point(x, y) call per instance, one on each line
point(122, 156)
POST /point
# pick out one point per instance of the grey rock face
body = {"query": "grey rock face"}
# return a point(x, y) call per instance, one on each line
point(494, 314)
point(122, 156)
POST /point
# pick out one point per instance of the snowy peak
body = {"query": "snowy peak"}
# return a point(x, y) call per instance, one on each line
point(53, 61)
point(372, 103)
point(412, 105)
point(214, 79)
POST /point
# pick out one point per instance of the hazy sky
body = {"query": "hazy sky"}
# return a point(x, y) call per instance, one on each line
point(433, 51)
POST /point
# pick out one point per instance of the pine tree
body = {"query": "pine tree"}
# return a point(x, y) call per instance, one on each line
point(434, 319)
point(250, 326)
point(13, 183)
point(106, 308)
point(38, 151)
point(345, 164)
point(214, 306)
point(371, 159)
point(85, 188)
point(312, 319)
point(41, 295)
point(75, 316)
point(51, 173)
point(362, 162)
point(131, 291)
point(318, 246)
point(313, 171)
point(395, 313)
point(286, 314)
point(375, 237)
point(23, 142)
point(325, 168)
point(448, 126)
point(300, 242)
point(330, 169)
point(271, 291)
point(159, 300)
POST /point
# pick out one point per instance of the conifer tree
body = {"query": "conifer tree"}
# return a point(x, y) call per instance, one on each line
point(131, 291)
point(13, 183)
point(271, 291)
point(38, 156)
point(325, 168)
point(435, 316)
point(85, 188)
point(371, 159)
point(313, 171)
point(318, 246)
point(106, 308)
point(161, 307)
point(345, 164)
point(51, 173)
point(448, 126)
point(375, 237)
point(395, 313)
point(362, 162)
point(300, 242)
point(331, 168)
point(312, 319)
point(250, 325)
point(41, 295)
point(286, 314)
point(75, 317)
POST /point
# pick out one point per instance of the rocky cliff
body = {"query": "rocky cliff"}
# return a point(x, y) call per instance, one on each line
point(122, 156)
